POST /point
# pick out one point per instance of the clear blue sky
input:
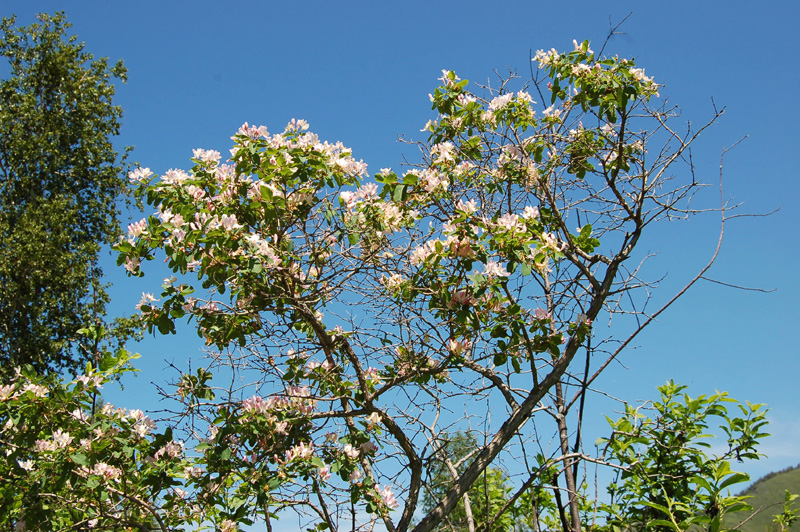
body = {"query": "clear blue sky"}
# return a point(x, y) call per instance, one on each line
point(360, 72)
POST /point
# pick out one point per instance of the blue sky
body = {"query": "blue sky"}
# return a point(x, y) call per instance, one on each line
point(360, 72)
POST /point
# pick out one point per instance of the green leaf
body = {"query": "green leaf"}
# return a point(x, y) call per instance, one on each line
point(80, 459)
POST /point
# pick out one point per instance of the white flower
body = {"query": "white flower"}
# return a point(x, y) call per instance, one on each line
point(27, 465)
point(467, 208)
point(139, 175)
point(530, 212)
point(147, 299)
point(501, 101)
point(206, 156)
point(387, 496)
point(62, 439)
point(350, 451)
point(494, 269)
point(137, 228)
point(6, 391)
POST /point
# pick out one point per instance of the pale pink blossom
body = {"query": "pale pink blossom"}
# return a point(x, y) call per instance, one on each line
point(137, 228)
point(387, 496)
point(443, 152)
point(172, 449)
point(510, 222)
point(367, 191)
point(449, 78)
point(350, 451)
point(192, 472)
point(524, 97)
point(530, 213)
point(494, 269)
point(349, 198)
point(297, 125)
point(432, 180)
point(301, 451)
point(61, 438)
point(458, 347)
point(552, 112)
point(421, 253)
point(542, 314)
point(251, 131)
point(394, 282)
point(501, 101)
point(325, 473)
point(147, 300)
point(459, 298)
point(132, 264)
point(27, 465)
point(206, 156)
point(546, 58)
point(462, 248)
point(44, 446)
point(467, 207)
point(174, 176)
point(227, 525)
point(139, 175)
point(550, 241)
point(368, 447)
point(6, 391)
point(229, 222)
point(373, 376)
point(106, 471)
point(35, 389)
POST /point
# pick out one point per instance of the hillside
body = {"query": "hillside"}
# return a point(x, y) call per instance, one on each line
point(767, 493)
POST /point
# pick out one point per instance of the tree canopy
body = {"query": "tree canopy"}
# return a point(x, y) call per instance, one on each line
point(60, 179)
point(357, 323)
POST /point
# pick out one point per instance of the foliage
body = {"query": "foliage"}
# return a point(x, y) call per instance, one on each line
point(483, 501)
point(59, 180)
point(366, 314)
point(669, 479)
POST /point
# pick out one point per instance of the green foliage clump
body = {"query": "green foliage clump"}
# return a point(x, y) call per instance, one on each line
point(60, 178)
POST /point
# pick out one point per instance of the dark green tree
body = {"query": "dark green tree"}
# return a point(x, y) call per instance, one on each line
point(60, 179)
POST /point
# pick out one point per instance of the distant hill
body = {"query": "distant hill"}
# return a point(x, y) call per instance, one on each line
point(768, 493)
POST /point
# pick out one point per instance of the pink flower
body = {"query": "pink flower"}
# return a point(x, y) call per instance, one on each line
point(530, 212)
point(299, 451)
point(206, 156)
point(467, 208)
point(62, 439)
point(493, 269)
point(458, 347)
point(147, 300)
point(35, 389)
point(325, 473)
point(229, 222)
point(139, 175)
point(6, 391)
point(132, 264)
point(350, 451)
point(137, 228)
point(227, 525)
point(174, 177)
point(387, 496)
point(501, 101)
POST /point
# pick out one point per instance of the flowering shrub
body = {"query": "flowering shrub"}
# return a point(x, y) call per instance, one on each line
point(368, 312)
